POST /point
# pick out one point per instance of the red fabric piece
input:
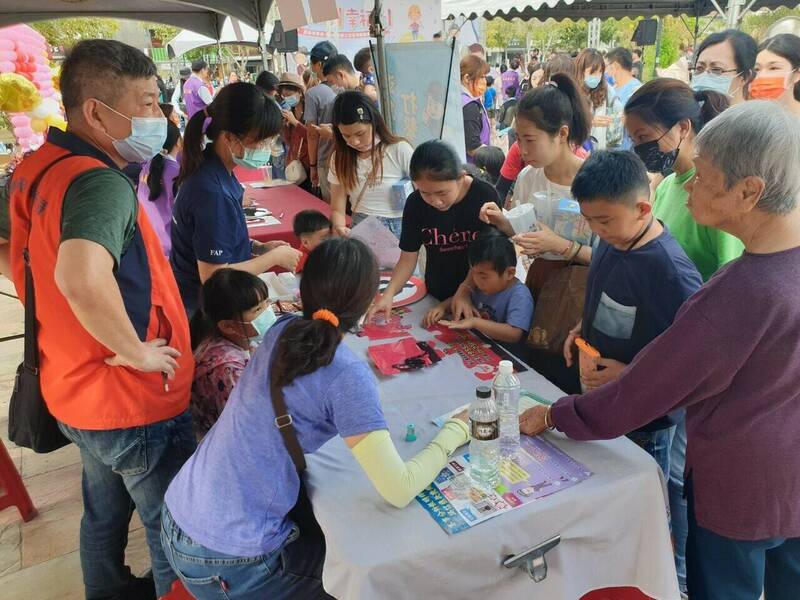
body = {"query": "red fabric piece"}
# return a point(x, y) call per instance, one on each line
point(390, 358)
point(378, 329)
point(616, 593)
point(475, 354)
point(513, 163)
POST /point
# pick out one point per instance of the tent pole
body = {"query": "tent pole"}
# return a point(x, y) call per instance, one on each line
point(734, 15)
point(659, 36)
point(376, 30)
point(219, 59)
point(262, 43)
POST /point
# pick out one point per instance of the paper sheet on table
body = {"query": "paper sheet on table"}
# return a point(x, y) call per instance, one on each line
point(260, 185)
point(268, 220)
point(526, 400)
point(379, 239)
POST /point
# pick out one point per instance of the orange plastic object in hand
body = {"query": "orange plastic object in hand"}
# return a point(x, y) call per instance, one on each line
point(586, 348)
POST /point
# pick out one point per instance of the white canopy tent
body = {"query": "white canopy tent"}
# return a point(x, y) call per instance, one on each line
point(732, 10)
point(233, 32)
point(202, 16)
point(206, 17)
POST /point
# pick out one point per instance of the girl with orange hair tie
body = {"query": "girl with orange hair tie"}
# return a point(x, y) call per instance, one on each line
point(236, 518)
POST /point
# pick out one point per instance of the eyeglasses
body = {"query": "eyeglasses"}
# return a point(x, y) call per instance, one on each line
point(700, 69)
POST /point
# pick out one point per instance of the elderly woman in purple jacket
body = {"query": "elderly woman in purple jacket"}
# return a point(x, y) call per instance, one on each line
point(732, 360)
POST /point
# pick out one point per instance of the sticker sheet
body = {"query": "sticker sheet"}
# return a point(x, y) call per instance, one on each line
point(540, 469)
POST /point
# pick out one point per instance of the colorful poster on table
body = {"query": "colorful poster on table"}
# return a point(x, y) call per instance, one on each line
point(539, 470)
point(421, 99)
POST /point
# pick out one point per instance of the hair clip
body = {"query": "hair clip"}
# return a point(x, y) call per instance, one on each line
point(551, 82)
point(360, 113)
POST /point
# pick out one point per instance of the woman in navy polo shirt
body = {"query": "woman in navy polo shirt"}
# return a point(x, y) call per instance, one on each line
point(209, 230)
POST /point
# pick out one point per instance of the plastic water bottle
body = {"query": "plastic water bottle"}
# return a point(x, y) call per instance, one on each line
point(483, 448)
point(506, 389)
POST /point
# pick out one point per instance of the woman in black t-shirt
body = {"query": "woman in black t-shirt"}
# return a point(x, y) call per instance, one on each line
point(443, 214)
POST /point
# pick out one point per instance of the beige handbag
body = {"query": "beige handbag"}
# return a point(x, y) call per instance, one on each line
point(295, 171)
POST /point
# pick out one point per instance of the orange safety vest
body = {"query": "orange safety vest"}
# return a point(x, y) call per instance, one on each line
point(78, 387)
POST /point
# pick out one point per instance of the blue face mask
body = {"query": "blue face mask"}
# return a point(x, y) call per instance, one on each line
point(290, 102)
point(146, 139)
point(591, 81)
point(709, 82)
point(261, 324)
point(253, 158)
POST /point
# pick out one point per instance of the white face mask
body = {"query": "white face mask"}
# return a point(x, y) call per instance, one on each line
point(147, 137)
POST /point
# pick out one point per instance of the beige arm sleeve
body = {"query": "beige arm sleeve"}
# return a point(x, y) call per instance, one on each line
point(398, 482)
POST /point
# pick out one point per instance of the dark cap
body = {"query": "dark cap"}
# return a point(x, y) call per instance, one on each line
point(185, 72)
point(199, 65)
point(483, 392)
point(323, 51)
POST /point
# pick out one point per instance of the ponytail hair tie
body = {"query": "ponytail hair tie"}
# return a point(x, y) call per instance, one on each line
point(323, 314)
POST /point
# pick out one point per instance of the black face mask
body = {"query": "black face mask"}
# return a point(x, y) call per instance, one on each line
point(656, 160)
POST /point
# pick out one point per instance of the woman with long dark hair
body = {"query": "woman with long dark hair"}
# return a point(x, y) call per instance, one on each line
point(724, 63)
point(236, 521)
point(777, 71)
point(477, 129)
point(158, 185)
point(551, 121)
point(590, 71)
point(209, 230)
point(367, 161)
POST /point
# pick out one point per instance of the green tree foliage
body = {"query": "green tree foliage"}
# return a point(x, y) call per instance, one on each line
point(164, 33)
point(757, 24)
point(66, 32)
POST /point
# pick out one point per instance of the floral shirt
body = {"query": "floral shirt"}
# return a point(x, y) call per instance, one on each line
point(219, 364)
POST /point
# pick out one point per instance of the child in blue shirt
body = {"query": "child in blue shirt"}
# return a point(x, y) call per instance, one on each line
point(505, 304)
point(638, 279)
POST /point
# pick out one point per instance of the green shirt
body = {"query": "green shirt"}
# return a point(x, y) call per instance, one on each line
point(99, 206)
point(708, 248)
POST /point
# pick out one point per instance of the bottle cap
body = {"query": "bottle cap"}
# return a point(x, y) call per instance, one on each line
point(506, 367)
point(483, 392)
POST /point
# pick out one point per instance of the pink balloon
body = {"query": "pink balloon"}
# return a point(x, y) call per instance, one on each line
point(7, 66)
point(9, 55)
point(7, 45)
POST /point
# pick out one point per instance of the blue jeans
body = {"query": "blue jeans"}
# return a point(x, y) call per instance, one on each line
point(720, 568)
point(393, 225)
point(293, 571)
point(677, 503)
point(123, 470)
point(656, 444)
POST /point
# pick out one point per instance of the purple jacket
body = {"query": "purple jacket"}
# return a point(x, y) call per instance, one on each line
point(159, 211)
point(191, 98)
point(509, 79)
point(732, 359)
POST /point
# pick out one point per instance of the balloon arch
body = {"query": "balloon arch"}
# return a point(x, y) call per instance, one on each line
point(28, 94)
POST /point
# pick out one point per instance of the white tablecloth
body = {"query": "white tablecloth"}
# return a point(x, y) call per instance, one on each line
point(613, 526)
